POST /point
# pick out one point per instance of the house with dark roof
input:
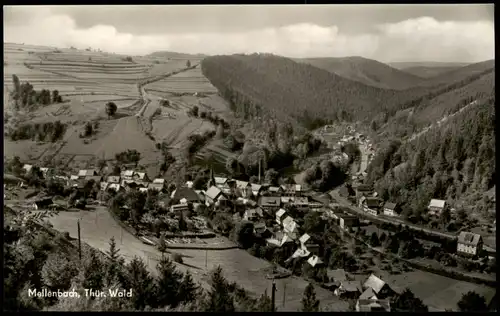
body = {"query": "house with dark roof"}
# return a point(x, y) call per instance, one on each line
point(272, 203)
point(113, 179)
point(390, 209)
point(469, 244)
point(349, 289)
point(256, 189)
point(348, 221)
point(186, 193)
point(338, 275)
point(372, 205)
point(261, 231)
point(84, 173)
point(243, 188)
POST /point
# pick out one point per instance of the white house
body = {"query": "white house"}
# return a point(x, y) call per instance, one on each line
point(314, 261)
point(244, 188)
point(469, 244)
point(279, 215)
point(436, 207)
point(390, 209)
point(127, 174)
point(213, 194)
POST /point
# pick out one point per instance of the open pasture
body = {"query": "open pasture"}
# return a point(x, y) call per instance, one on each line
point(26, 150)
point(174, 131)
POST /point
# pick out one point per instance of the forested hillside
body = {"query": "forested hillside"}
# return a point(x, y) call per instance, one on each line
point(461, 73)
point(455, 162)
point(261, 85)
point(367, 71)
point(429, 72)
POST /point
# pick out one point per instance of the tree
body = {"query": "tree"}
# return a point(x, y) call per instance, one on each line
point(57, 272)
point(407, 302)
point(271, 176)
point(309, 301)
point(182, 222)
point(139, 279)
point(188, 289)
point(188, 64)
point(219, 298)
point(167, 283)
point(472, 302)
point(88, 129)
point(374, 240)
point(92, 272)
point(220, 131)
point(56, 98)
point(195, 111)
point(162, 245)
point(111, 109)
point(114, 263)
point(244, 234)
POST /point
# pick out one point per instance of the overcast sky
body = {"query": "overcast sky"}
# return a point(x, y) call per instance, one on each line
point(388, 33)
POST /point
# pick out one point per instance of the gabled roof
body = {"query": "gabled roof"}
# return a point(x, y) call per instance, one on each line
point(104, 186)
point(220, 181)
point(213, 192)
point(155, 186)
point(368, 294)
point(314, 260)
point(301, 252)
point(287, 220)
point(241, 184)
point(364, 188)
point(141, 175)
point(256, 187)
point(27, 167)
point(469, 238)
point(351, 286)
point(372, 202)
point(374, 282)
point(159, 180)
point(114, 186)
point(291, 228)
point(274, 189)
point(337, 275)
point(298, 188)
point(390, 205)
point(280, 212)
point(143, 189)
point(270, 201)
point(113, 179)
point(304, 238)
point(73, 177)
point(366, 305)
point(301, 200)
point(127, 173)
point(437, 203)
point(287, 199)
point(44, 169)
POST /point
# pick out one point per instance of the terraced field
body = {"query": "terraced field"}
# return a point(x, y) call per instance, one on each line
point(190, 81)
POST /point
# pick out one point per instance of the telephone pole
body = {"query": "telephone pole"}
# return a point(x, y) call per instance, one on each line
point(284, 293)
point(79, 241)
point(273, 297)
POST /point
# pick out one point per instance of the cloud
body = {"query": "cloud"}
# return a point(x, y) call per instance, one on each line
point(420, 39)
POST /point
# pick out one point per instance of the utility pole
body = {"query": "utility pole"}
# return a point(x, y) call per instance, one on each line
point(79, 241)
point(121, 235)
point(284, 291)
point(206, 259)
point(273, 296)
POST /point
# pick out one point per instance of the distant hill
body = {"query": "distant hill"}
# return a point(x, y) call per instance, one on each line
point(461, 73)
point(429, 72)
point(175, 55)
point(367, 71)
point(428, 64)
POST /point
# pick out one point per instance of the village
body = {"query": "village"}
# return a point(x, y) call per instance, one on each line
point(276, 212)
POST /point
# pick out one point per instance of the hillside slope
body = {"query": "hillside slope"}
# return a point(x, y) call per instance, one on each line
point(429, 64)
point(461, 73)
point(266, 85)
point(367, 71)
point(429, 72)
point(175, 55)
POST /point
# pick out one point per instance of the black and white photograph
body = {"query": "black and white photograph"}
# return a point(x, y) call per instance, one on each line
point(249, 158)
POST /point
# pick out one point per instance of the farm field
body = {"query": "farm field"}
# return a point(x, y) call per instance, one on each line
point(27, 150)
point(190, 81)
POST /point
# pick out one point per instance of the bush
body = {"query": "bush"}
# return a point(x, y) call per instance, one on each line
point(177, 257)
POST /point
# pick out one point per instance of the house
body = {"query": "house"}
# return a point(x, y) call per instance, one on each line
point(143, 190)
point(291, 189)
point(84, 173)
point(436, 207)
point(179, 208)
point(115, 187)
point(290, 227)
point(314, 261)
point(73, 177)
point(113, 179)
point(188, 184)
point(349, 289)
point(185, 193)
point(104, 186)
point(371, 205)
point(156, 186)
point(279, 215)
point(42, 204)
point(243, 201)
point(220, 182)
point(379, 287)
point(337, 275)
point(348, 221)
point(45, 171)
point(213, 194)
point(261, 231)
point(300, 202)
point(253, 214)
point(368, 294)
point(27, 168)
point(306, 242)
point(127, 174)
point(390, 209)
point(373, 305)
point(270, 202)
point(140, 178)
point(96, 179)
point(275, 190)
point(469, 244)
point(287, 199)
point(256, 189)
point(299, 253)
point(363, 190)
point(243, 188)
point(280, 239)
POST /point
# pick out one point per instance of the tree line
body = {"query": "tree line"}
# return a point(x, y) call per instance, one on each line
point(25, 95)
